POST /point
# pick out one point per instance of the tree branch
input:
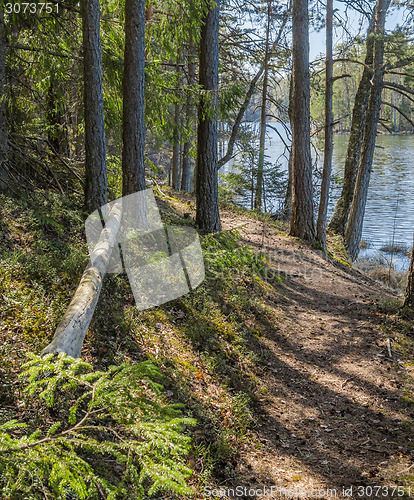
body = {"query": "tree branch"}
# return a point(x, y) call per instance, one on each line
point(401, 93)
point(410, 75)
point(399, 86)
point(399, 64)
point(57, 436)
point(334, 78)
point(346, 59)
point(246, 101)
point(400, 111)
point(381, 122)
point(35, 49)
point(278, 133)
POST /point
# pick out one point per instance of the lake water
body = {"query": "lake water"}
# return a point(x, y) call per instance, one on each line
point(389, 216)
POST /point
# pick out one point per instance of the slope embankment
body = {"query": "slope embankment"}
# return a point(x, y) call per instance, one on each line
point(296, 366)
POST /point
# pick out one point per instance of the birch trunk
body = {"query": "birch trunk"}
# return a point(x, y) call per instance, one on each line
point(133, 88)
point(72, 329)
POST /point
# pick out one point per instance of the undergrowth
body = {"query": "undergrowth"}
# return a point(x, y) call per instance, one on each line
point(204, 344)
point(208, 347)
point(42, 255)
point(110, 436)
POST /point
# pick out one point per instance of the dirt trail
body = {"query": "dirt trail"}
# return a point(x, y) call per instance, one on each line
point(332, 416)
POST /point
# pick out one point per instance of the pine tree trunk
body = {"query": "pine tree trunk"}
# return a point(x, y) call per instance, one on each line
point(356, 216)
point(176, 150)
point(262, 136)
point(409, 290)
point(57, 134)
point(327, 160)
point(207, 211)
point(133, 122)
point(176, 136)
point(287, 204)
point(95, 159)
point(301, 223)
point(343, 205)
point(3, 119)
point(186, 170)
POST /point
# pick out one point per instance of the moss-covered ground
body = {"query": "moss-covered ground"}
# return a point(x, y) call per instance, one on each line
point(210, 345)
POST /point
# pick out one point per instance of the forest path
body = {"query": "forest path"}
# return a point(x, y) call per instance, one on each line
point(333, 415)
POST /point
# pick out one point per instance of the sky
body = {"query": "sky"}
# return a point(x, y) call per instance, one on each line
point(317, 39)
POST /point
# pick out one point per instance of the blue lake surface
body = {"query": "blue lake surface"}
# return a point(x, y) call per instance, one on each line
point(389, 216)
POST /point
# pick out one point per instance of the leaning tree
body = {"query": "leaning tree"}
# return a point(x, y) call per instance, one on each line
point(353, 231)
point(343, 205)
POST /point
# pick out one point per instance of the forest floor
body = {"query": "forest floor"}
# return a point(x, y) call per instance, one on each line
point(336, 413)
point(297, 367)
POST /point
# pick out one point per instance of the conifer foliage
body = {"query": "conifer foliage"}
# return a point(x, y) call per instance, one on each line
point(110, 438)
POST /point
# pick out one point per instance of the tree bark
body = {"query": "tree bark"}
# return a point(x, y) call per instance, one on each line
point(356, 216)
point(186, 170)
point(343, 205)
point(133, 122)
point(328, 149)
point(287, 205)
point(57, 134)
point(262, 136)
point(95, 159)
point(301, 223)
point(409, 290)
point(176, 134)
point(71, 330)
point(176, 150)
point(207, 210)
point(3, 104)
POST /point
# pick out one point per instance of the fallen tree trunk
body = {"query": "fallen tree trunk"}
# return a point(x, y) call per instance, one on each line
point(72, 328)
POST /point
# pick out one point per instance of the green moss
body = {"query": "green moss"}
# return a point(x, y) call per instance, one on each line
point(185, 364)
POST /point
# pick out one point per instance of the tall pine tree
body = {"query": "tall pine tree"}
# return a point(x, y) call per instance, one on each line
point(207, 212)
point(301, 221)
point(133, 132)
point(95, 156)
